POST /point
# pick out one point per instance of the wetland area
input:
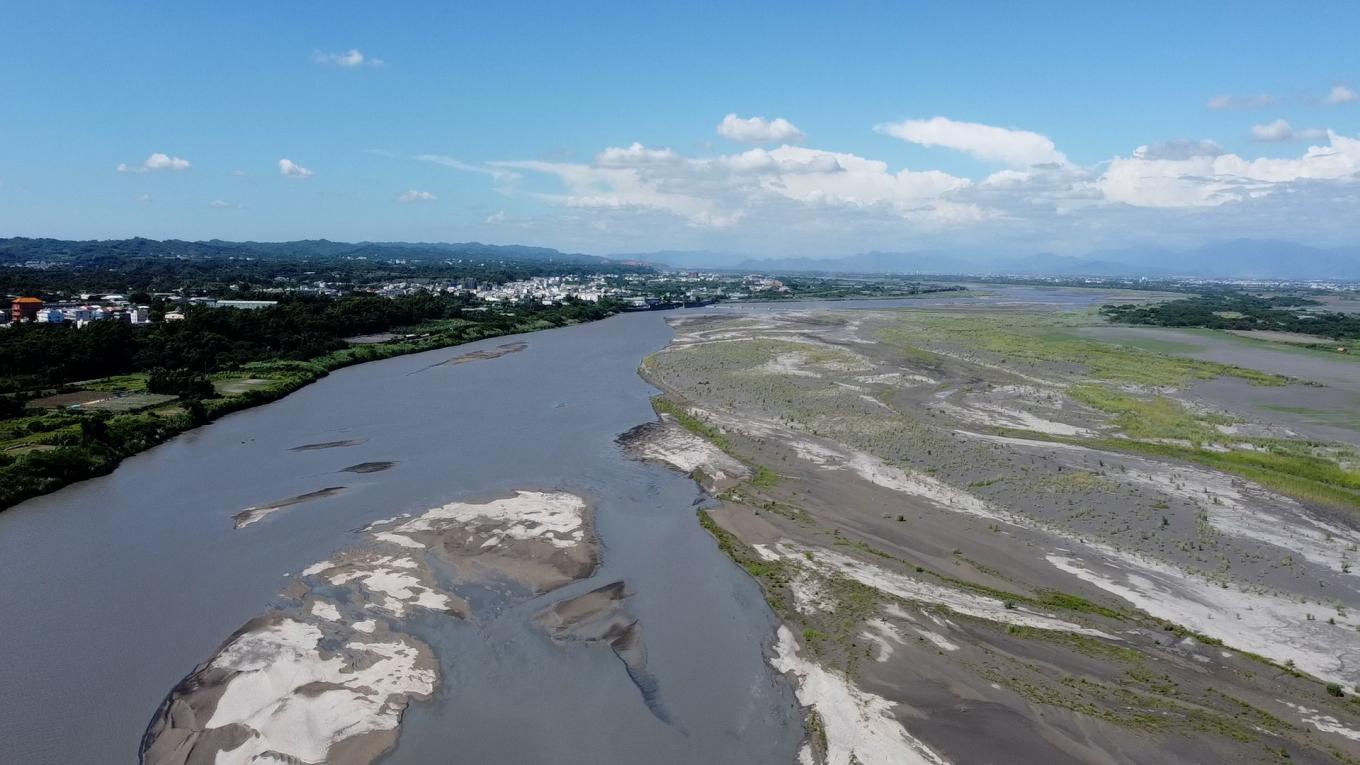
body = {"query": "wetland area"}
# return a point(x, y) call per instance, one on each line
point(977, 528)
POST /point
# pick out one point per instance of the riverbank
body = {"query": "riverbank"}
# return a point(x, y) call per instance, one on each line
point(45, 451)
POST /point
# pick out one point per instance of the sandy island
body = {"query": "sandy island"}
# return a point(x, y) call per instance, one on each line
point(326, 675)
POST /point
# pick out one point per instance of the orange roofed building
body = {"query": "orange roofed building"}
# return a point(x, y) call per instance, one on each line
point(25, 309)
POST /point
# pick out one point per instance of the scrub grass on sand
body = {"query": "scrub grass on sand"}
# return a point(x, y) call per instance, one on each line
point(1039, 340)
point(1071, 556)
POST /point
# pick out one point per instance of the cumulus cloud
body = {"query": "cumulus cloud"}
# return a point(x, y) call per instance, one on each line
point(156, 161)
point(407, 197)
point(1226, 101)
point(759, 130)
point(800, 199)
point(723, 190)
point(1280, 130)
point(1018, 148)
point(1144, 181)
point(290, 169)
point(347, 60)
point(1342, 95)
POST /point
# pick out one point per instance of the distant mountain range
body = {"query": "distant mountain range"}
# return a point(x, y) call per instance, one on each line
point(1240, 259)
point(22, 249)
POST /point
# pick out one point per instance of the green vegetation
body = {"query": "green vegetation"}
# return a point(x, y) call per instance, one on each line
point(691, 423)
point(1043, 340)
point(1241, 311)
point(761, 476)
point(833, 288)
point(1084, 644)
point(764, 478)
point(1150, 417)
point(1303, 477)
point(1298, 469)
point(281, 349)
point(242, 269)
point(774, 576)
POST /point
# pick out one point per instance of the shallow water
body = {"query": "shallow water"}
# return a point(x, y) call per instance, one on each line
point(1328, 412)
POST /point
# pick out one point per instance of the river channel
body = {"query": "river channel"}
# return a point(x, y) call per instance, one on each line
point(112, 590)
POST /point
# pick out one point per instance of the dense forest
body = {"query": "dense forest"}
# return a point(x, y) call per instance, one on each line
point(214, 339)
point(1240, 311)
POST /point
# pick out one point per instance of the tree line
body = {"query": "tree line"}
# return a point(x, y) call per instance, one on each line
point(292, 344)
point(36, 355)
point(1238, 311)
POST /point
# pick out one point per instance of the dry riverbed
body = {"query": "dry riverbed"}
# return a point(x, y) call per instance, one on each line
point(991, 539)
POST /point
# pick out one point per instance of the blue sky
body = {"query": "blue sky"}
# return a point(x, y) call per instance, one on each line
point(596, 126)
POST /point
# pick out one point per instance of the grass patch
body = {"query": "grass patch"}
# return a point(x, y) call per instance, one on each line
point(1150, 417)
point(764, 478)
point(131, 383)
point(1303, 477)
point(773, 575)
point(1084, 644)
point(1043, 340)
point(761, 476)
point(691, 423)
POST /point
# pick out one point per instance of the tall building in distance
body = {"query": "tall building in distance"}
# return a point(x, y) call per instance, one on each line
point(25, 309)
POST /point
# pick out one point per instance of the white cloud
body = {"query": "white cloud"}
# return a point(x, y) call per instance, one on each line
point(503, 179)
point(636, 154)
point(219, 204)
point(1018, 148)
point(1144, 181)
point(839, 179)
point(407, 197)
point(1226, 101)
point(721, 191)
point(156, 161)
point(1280, 130)
point(1342, 95)
point(239, 173)
point(759, 130)
point(805, 200)
point(629, 188)
point(290, 169)
point(144, 198)
point(348, 59)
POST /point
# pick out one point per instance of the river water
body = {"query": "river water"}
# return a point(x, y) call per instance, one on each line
point(114, 589)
